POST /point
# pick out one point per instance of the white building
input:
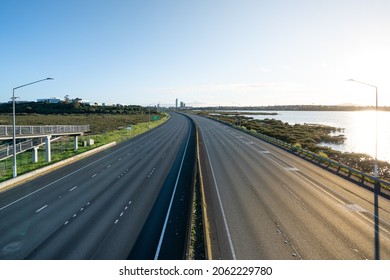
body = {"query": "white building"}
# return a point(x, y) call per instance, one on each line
point(50, 100)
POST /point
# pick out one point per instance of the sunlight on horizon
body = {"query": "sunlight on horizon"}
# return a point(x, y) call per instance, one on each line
point(362, 133)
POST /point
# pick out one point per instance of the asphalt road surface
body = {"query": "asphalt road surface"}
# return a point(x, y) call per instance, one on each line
point(265, 203)
point(97, 207)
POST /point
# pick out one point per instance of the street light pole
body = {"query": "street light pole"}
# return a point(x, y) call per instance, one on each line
point(376, 124)
point(149, 118)
point(15, 173)
point(377, 185)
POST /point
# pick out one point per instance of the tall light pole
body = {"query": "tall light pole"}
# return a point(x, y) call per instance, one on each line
point(376, 124)
point(149, 118)
point(15, 173)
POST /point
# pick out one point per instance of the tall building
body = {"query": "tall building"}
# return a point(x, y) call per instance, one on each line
point(177, 102)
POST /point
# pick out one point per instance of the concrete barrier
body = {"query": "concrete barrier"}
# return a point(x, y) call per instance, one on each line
point(41, 171)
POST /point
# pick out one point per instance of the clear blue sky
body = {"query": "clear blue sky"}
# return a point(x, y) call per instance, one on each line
point(204, 52)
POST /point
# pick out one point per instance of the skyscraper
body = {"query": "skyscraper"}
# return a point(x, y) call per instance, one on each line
point(177, 102)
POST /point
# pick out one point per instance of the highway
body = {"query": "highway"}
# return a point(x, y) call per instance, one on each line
point(265, 203)
point(97, 207)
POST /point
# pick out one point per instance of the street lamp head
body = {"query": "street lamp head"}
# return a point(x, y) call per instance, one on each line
point(352, 80)
point(49, 78)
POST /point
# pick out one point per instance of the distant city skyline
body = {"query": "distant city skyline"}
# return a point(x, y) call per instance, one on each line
point(210, 53)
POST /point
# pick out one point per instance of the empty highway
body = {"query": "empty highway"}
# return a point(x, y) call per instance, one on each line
point(265, 203)
point(97, 207)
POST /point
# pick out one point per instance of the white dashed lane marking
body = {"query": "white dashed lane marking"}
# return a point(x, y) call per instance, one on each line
point(123, 212)
point(40, 209)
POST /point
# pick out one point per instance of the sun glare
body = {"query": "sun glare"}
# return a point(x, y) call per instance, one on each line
point(364, 135)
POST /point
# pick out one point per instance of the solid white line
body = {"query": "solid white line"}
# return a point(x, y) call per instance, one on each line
point(370, 221)
point(343, 203)
point(287, 189)
point(40, 209)
point(319, 188)
point(222, 211)
point(171, 202)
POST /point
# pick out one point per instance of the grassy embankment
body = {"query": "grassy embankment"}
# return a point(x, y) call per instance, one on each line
point(308, 137)
point(104, 129)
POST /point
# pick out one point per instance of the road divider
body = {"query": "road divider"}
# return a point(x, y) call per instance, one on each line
point(205, 219)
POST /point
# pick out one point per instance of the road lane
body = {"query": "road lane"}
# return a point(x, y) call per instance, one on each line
point(265, 203)
point(72, 212)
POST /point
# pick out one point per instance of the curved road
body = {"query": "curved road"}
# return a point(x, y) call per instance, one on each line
point(95, 208)
point(265, 203)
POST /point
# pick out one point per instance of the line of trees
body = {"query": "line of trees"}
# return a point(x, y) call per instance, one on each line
point(73, 107)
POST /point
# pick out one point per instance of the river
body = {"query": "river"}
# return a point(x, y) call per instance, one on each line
point(359, 128)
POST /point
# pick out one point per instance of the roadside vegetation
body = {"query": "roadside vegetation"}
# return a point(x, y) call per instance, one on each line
point(197, 242)
point(71, 106)
point(312, 138)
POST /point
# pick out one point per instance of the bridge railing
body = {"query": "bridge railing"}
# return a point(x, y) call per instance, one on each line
point(6, 130)
point(6, 150)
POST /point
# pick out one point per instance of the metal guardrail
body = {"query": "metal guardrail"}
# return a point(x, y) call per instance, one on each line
point(365, 179)
point(6, 130)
